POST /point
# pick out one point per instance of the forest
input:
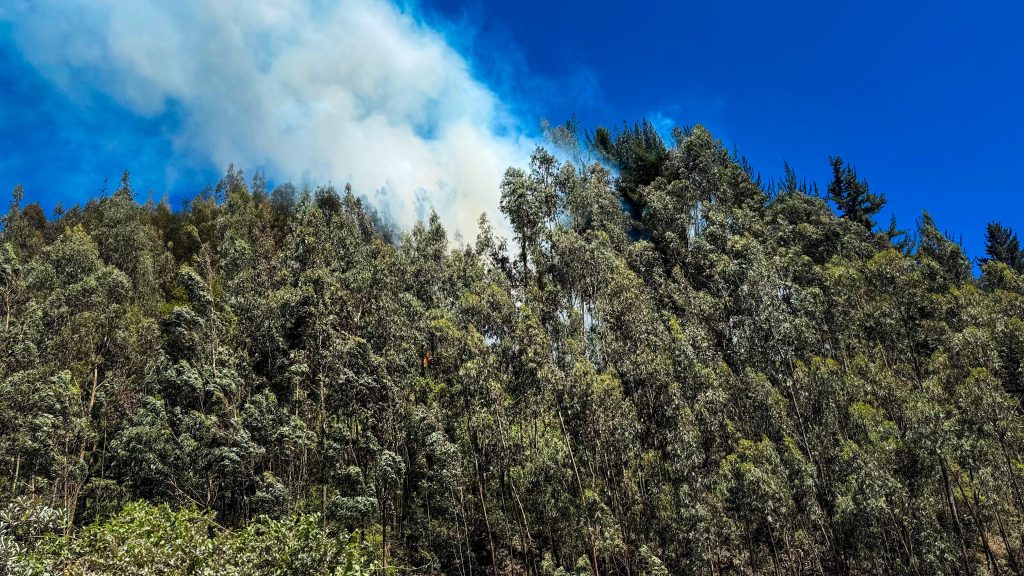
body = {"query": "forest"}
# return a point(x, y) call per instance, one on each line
point(669, 366)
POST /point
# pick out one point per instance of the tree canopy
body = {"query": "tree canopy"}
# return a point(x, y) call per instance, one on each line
point(669, 368)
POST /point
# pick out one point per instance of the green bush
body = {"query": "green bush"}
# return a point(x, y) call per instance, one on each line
point(144, 539)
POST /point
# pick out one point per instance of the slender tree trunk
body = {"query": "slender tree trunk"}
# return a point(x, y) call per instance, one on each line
point(1018, 499)
point(457, 539)
point(528, 542)
point(92, 392)
point(73, 491)
point(17, 472)
point(989, 556)
point(951, 501)
point(483, 506)
point(583, 498)
point(465, 524)
point(1006, 543)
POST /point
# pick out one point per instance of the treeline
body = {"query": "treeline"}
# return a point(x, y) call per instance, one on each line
point(672, 368)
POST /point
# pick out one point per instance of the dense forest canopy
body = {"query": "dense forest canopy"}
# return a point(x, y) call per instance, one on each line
point(669, 368)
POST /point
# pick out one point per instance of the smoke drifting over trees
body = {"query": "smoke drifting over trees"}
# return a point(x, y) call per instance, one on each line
point(355, 91)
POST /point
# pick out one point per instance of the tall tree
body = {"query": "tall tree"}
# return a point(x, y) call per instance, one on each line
point(1001, 245)
point(852, 196)
point(638, 153)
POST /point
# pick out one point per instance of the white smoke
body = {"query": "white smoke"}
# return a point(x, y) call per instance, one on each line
point(352, 91)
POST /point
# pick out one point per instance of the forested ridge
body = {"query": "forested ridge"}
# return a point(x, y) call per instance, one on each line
point(669, 367)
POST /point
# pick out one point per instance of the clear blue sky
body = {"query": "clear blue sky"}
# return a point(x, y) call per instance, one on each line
point(924, 98)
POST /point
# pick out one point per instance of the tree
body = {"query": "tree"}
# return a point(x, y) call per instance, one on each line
point(637, 152)
point(12, 282)
point(852, 196)
point(531, 201)
point(1001, 245)
point(944, 259)
point(23, 227)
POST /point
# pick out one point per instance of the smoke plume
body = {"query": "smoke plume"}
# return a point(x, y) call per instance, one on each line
point(356, 91)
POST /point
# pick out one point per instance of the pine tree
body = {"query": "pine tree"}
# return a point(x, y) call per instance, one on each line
point(1001, 245)
point(944, 260)
point(637, 152)
point(900, 239)
point(852, 196)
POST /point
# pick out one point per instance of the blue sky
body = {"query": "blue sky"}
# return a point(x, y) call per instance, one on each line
point(923, 98)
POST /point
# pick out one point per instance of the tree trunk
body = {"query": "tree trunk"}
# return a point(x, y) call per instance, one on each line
point(583, 498)
point(951, 501)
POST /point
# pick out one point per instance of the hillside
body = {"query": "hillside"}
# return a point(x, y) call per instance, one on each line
point(670, 367)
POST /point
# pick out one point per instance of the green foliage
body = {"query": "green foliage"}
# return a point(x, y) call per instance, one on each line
point(852, 196)
point(1001, 245)
point(146, 539)
point(673, 371)
point(637, 152)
